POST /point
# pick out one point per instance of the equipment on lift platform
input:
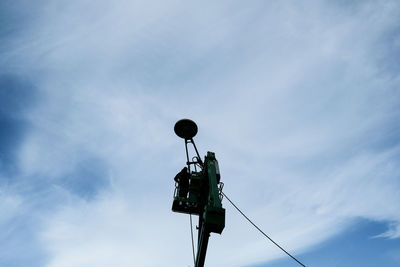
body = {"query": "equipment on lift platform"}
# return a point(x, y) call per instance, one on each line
point(198, 191)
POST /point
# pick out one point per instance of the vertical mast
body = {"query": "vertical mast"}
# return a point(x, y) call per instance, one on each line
point(203, 196)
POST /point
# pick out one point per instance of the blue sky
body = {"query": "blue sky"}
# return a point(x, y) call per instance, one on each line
point(299, 101)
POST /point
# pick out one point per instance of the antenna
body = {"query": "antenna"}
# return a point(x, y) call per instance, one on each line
point(187, 129)
point(198, 192)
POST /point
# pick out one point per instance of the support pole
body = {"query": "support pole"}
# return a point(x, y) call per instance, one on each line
point(204, 235)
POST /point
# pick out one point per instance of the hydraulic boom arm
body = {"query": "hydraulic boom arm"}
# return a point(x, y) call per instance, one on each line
point(197, 192)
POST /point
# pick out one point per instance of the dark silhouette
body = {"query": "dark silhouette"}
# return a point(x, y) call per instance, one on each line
point(182, 178)
point(204, 197)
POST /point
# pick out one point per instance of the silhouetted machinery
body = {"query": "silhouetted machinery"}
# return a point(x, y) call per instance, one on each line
point(197, 190)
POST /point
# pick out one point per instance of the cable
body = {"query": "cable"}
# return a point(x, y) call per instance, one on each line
point(262, 231)
point(191, 232)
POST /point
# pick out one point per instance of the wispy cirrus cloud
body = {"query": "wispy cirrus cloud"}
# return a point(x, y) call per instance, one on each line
point(298, 100)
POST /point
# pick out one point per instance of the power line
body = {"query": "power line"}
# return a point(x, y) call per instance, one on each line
point(262, 231)
point(191, 232)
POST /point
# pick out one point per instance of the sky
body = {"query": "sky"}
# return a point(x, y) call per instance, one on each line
point(299, 100)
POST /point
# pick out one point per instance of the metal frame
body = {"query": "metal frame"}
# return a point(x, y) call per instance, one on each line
point(204, 199)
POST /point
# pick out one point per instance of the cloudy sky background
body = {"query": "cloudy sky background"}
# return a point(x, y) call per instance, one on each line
point(299, 101)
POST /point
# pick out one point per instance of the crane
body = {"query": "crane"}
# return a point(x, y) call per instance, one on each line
point(198, 190)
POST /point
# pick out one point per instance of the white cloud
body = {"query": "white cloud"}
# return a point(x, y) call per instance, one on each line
point(114, 231)
point(291, 97)
point(9, 205)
